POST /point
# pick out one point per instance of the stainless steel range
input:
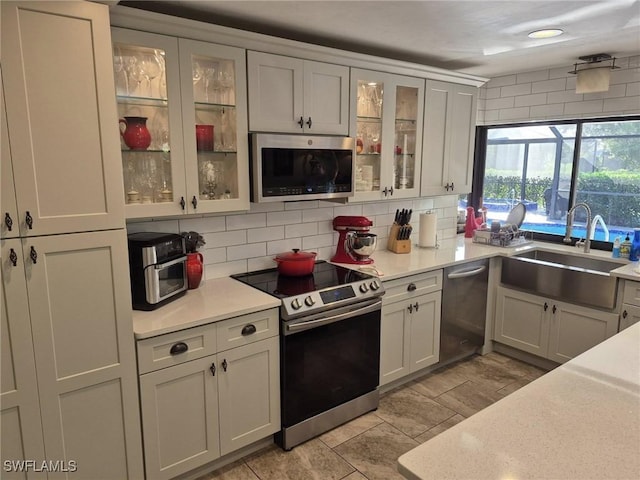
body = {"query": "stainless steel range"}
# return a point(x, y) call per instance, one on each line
point(329, 346)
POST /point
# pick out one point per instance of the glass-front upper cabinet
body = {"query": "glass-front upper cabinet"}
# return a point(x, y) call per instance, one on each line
point(387, 122)
point(182, 107)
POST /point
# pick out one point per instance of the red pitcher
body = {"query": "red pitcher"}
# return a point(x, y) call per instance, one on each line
point(194, 269)
point(136, 135)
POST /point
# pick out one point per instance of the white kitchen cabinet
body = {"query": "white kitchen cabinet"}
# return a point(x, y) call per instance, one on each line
point(20, 426)
point(549, 328)
point(387, 121)
point(630, 304)
point(58, 81)
point(211, 401)
point(8, 222)
point(292, 95)
point(449, 138)
point(75, 298)
point(410, 326)
point(192, 97)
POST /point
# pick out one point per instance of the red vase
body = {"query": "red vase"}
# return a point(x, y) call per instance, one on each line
point(471, 224)
point(194, 269)
point(136, 135)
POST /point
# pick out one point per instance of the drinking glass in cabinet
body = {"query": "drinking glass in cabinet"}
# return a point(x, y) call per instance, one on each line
point(139, 72)
point(147, 177)
point(213, 80)
point(369, 99)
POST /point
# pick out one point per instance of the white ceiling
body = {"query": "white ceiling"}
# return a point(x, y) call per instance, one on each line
point(487, 38)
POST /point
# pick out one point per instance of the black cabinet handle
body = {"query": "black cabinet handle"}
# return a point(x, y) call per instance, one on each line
point(624, 314)
point(411, 287)
point(410, 308)
point(546, 306)
point(301, 122)
point(224, 364)
point(248, 329)
point(391, 191)
point(416, 306)
point(33, 254)
point(213, 369)
point(554, 309)
point(452, 187)
point(28, 219)
point(182, 202)
point(309, 122)
point(178, 348)
point(8, 221)
point(13, 257)
point(194, 202)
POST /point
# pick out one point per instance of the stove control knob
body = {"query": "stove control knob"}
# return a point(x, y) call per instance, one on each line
point(374, 285)
point(295, 304)
point(364, 288)
point(309, 301)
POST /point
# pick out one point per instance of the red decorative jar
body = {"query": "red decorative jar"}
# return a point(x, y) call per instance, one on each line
point(136, 135)
point(194, 269)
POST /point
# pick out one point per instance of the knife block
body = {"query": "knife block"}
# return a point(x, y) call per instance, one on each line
point(397, 246)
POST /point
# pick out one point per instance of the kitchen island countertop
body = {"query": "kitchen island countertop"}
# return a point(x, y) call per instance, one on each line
point(579, 421)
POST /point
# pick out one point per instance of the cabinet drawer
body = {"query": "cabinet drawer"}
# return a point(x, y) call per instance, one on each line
point(247, 329)
point(156, 352)
point(631, 293)
point(412, 286)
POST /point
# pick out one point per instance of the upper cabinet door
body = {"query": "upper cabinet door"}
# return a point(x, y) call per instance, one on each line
point(9, 212)
point(63, 122)
point(297, 96)
point(214, 112)
point(147, 78)
point(449, 138)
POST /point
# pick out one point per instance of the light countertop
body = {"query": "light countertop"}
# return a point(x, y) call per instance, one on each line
point(216, 299)
point(579, 421)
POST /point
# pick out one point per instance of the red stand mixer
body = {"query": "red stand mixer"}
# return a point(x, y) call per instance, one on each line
point(355, 244)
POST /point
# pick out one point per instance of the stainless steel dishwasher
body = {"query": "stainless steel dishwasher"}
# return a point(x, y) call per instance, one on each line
point(464, 305)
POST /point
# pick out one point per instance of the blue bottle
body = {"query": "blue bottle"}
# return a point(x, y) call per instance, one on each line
point(634, 253)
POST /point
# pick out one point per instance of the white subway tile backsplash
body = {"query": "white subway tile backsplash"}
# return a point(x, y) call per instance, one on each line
point(546, 111)
point(371, 209)
point(265, 234)
point(317, 214)
point(284, 218)
point(514, 90)
point(168, 226)
point(260, 263)
point(218, 270)
point(560, 72)
point(625, 104)
point(203, 224)
point(528, 100)
point(325, 227)
point(534, 76)
point(279, 246)
point(246, 251)
point(247, 220)
point(555, 85)
point(301, 230)
point(593, 106)
point(491, 92)
point(564, 97)
point(315, 241)
point(500, 81)
point(514, 113)
point(499, 103)
point(625, 76)
point(301, 205)
point(266, 207)
point(423, 204)
point(355, 209)
point(633, 89)
point(224, 239)
point(613, 92)
point(214, 255)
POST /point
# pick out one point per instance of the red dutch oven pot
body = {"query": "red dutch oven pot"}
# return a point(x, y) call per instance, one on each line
point(296, 263)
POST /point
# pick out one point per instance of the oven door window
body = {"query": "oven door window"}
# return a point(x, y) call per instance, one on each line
point(329, 365)
point(164, 281)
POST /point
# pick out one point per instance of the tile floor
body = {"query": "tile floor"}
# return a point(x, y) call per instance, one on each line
point(368, 447)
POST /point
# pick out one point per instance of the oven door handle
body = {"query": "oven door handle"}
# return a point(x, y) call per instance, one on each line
point(162, 266)
point(370, 307)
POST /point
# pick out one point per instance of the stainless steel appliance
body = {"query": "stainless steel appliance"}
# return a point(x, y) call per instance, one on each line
point(464, 305)
point(301, 167)
point(355, 243)
point(329, 344)
point(157, 265)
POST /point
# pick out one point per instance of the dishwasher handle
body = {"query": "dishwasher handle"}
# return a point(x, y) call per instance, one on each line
point(467, 273)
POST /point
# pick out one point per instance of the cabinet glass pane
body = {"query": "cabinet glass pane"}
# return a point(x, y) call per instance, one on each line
point(214, 93)
point(369, 135)
point(405, 137)
point(141, 89)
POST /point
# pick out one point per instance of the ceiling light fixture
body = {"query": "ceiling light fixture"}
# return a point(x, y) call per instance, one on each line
point(546, 33)
point(591, 77)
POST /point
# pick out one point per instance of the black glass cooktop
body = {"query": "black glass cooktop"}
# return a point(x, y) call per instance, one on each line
point(325, 275)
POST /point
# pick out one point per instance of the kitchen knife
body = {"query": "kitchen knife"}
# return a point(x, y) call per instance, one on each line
point(397, 218)
point(409, 215)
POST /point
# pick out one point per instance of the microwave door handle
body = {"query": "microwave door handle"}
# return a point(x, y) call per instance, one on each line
point(162, 266)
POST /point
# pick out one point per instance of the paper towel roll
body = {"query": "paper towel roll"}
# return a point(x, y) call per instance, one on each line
point(427, 237)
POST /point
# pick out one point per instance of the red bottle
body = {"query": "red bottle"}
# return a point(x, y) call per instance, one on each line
point(194, 269)
point(471, 224)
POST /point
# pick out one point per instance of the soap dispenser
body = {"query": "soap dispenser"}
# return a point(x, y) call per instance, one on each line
point(625, 247)
point(616, 248)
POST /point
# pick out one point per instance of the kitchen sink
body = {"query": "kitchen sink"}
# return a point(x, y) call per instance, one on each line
point(571, 278)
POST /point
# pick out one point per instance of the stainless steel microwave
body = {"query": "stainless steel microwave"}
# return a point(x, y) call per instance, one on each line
point(301, 167)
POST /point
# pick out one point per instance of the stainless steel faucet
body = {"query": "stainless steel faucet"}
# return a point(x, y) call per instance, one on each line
point(567, 235)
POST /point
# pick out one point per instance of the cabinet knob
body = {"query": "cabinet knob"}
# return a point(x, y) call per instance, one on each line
point(182, 202)
point(388, 191)
point(8, 221)
point(411, 287)
point(452, 187)
point(178, 348)
point(28, 219)
point(554, 309)
point(33, 254)
point(624, 314)
point(224, 364)
point(410, 308)
point(248, 330)
point(13, 257)
point(416, 306)
point(213, 369)
point(301, 122)
point(194, 202)
point(546, 306)
point(309, 122)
